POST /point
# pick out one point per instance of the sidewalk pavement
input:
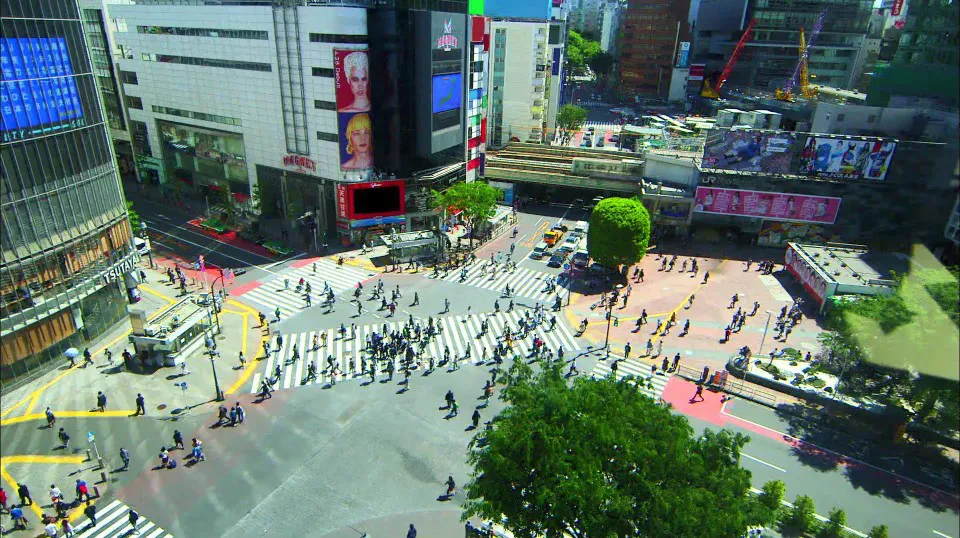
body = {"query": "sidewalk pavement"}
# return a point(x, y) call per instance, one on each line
point(431, 523)
point(72, 390)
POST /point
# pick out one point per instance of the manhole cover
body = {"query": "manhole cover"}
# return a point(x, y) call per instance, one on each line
point(161, 407)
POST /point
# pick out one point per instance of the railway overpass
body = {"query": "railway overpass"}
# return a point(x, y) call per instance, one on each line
point(594, 170)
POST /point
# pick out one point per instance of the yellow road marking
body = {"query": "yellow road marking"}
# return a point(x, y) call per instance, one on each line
point(67, 414)
point(35, 506)
point(251, 365)
point(35, 395)
point(147, 289)
point(685, 300)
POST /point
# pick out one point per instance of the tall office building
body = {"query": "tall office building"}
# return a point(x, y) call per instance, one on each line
point(648, 43)
point(67, 263)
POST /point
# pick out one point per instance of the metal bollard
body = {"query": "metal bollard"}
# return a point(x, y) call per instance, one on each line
point(96, 491)
point(89, 457)
point(100, 463)
point(103, 478)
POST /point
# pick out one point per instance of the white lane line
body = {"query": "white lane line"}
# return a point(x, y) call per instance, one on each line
point(844, 456)
point(758, 460)
point(938, 533)
point(211, 250)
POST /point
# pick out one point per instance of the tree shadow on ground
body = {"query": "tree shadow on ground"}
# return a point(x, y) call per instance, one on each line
point(825, 440)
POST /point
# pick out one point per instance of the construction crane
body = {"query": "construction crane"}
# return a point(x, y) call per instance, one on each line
point(713, 91)
point(801, 70)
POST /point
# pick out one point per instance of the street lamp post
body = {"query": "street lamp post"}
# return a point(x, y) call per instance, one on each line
point(213, 295)
point(746, 366)
point(613, 300)
point(212, 353)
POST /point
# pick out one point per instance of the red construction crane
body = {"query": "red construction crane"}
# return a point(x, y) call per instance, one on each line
point(713, 92)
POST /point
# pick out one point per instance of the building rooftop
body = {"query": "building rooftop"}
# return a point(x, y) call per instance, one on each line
point(854, 265)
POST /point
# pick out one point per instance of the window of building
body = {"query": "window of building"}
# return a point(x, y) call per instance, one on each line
point(324, 105)
point(134, 102)
point(322, 72)
point(226, 120)
point(338, 38)
point(128, 77)
point(202, 32)
point(205, 62)
point(327, 137)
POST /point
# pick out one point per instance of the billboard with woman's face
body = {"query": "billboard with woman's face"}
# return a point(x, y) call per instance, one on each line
point(352, 79)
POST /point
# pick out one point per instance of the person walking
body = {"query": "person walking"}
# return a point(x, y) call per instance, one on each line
point(24, 492)
point(19, 522)
point(241, 414)
point(698, 394)
point(91, 512)
point(133, 516)
point(475, 418)
point(67, 528)
point(82, 491)
point(3, 501)
point(125, 457)
point(51, 418)
point(64, 438)
point(101, 401)
point(412, 531)
point(626, 351)
point(454, 409)
point(141, 408)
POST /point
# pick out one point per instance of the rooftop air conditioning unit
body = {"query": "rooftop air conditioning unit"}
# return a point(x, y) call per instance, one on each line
point(151, 330)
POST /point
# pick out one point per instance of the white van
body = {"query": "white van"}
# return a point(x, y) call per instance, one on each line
point(539, 251)
point(581, 227)
point(142, 245)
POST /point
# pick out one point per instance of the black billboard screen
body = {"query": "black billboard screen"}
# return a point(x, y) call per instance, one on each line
point(377, 201)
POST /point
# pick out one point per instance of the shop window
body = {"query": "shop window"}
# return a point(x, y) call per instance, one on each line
point(134, 102)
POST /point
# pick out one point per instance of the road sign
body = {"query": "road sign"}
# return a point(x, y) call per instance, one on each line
point(90, 437)
point(566, 267)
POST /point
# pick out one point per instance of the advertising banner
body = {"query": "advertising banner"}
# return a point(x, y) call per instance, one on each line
point(840, 158)
point(683, 56)
point(37, 88)
point(749, 150)
point(343, 209)
point(447, 92)
point(696, 72)
point(815, 284)
point(371, 200)
point(352, 81)
point(767, 205)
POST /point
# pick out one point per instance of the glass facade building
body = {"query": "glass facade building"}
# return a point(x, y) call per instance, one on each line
point(66, 259)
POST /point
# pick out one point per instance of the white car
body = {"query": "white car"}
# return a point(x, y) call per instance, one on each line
point(571, 244)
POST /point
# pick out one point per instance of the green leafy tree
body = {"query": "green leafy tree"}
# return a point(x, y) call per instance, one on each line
point(477, 200)
point(600, 458)
point(601, 64)
point(767, 504)
point(226, 201)
point(803, 515)
point(570, 118)
point(134, 218)
point(833, 528)
point(256, 198)
point(879, 531)
point(619, 232)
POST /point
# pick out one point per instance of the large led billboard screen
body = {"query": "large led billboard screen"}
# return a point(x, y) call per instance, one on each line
point(351, 69)
point(767, 205)
point(842, 158)
point(371, 200)
point(749, 150)
point(447, 92)
point(37, 91)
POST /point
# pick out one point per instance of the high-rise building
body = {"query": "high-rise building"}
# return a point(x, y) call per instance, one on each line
point(609, 25)
point(330, 113)
point(648, 44)
point(67, 262)
point(526, 79)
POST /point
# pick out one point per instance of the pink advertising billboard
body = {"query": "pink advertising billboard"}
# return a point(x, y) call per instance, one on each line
point(767, 205)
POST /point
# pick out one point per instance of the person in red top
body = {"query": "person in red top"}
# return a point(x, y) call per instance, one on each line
point(3, 501)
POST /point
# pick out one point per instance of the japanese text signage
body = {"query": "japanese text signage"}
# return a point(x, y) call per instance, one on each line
point(767, 205)
point(815, 284)
point(300, 162)
point(447, 41)
point(342, 201)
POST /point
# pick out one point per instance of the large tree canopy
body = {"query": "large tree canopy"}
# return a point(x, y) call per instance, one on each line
point(580, 51)
point(477, 200)
point(601, 459)
point(619, 231)
point(571, 118)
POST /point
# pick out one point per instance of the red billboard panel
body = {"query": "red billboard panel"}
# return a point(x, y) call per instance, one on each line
point(351, 71)
point(478, 27)
point(767, 205)
point(815, 284)
point(342, 204)
point(696, 72)
point(374, 199)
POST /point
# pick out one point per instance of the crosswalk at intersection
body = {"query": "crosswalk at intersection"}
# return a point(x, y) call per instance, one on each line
point(651, 386)
point(523, 282)
point(458, 332)
point(113, 522)
point(273, 293)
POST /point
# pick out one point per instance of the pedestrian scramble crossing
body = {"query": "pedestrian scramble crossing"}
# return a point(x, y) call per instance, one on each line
point(458, 332)
point(523, 282)
point(272, 293)
point(592, 103)
point(602, 126)
point(113, 522)
point(651, 386)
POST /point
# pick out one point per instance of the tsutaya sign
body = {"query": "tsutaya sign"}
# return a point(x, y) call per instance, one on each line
point(126, 265)
point(447, 41)
point(300, 162)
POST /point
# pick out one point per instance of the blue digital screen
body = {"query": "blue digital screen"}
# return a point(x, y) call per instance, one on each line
point(37, 93)
point(447, 92)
